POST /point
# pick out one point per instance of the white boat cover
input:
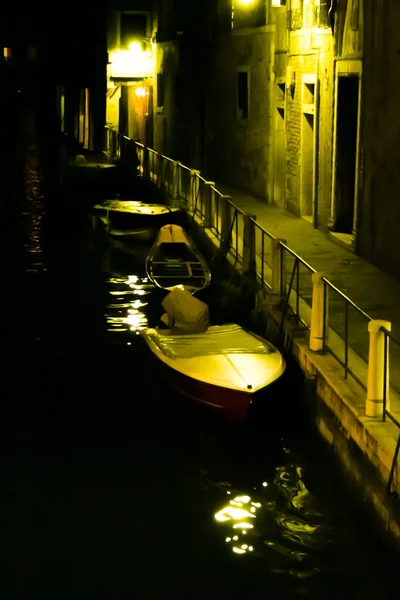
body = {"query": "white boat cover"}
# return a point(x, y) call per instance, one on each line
point(172, 234)
point(186, 311)
point(218, 339)
point(135, 207)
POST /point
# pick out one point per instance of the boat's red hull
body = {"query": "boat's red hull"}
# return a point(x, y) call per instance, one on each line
point(233, 405)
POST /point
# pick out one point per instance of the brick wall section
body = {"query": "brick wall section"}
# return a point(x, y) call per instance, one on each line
point(303, 62)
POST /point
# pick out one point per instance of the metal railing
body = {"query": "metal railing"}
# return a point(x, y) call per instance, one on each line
point(226, 221)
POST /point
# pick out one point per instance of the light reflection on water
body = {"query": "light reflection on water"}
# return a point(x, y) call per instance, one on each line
point(277, 521)
point(127, 311)
point(33, 210)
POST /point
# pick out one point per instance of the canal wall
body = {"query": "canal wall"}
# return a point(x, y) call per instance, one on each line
point(365, 447)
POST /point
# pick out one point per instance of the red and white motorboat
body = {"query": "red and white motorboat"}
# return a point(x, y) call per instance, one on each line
point(221, 366)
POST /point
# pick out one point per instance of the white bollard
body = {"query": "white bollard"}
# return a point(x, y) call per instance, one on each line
point(278, 276)
point(376, 369)
point(316, 342)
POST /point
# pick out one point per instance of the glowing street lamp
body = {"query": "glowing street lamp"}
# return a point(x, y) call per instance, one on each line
point(135, 47)
point(141, 92)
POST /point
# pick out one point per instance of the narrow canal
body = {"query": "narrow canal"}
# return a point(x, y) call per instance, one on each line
point(113, 488)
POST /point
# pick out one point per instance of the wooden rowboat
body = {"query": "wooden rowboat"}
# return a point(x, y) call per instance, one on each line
point(174, 260)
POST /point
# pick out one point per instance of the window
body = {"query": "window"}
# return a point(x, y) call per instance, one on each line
point(160, 90)
point(276, 3)
point(243, 94)
point(355, 15)
point(295, 14)
point(321, 13)
point(132, 25)
point(7, 53)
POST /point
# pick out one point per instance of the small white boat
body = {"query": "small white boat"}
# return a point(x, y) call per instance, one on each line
point(131, 219)
point(222, 366)
point(174, 260)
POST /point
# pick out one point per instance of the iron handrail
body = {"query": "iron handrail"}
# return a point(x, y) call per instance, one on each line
point(183, 167)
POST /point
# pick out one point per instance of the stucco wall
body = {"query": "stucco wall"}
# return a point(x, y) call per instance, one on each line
point(240, 149)
point(379, 211)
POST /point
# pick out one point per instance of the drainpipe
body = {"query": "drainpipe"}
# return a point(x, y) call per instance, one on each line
point(317, 117)
point(272, 76)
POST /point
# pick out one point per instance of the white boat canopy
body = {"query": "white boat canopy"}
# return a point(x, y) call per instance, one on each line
point(225, 339)
point(135, 207)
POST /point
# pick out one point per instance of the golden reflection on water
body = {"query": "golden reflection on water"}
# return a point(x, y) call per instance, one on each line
point(127, 311)
point(284, 506)
point(33, 211)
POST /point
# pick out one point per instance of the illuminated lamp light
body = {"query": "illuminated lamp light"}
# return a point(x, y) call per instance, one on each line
point(245, 2)
point(135, 47)
point(140, 92)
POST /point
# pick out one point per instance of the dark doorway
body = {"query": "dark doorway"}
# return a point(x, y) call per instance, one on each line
point(346, 152)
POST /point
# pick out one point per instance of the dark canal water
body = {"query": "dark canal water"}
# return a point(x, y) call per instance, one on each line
point(113, 489)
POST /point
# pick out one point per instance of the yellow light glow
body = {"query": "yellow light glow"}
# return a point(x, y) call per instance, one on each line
point(132, 63)
point(245, 2)
point(228, 513)
point(140, 92)
point(241, 518)
point(244, 499)
point(243, 525)
point(135, 47)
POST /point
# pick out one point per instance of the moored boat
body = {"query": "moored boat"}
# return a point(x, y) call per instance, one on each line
point(224, 367)
point(133, 220)
point(174, 260)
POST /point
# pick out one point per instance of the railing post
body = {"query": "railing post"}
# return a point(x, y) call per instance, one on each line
point(376, 369)
point(175, 180)
point(278, 275)
point(207, 203)
point(194, 189)
point(113, 143)
point(145, 168)
point(318, 317)
point(226, 226)
point(249, 244)
point(160, 170)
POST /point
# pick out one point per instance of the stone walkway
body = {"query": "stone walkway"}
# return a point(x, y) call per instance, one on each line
point(375, 292)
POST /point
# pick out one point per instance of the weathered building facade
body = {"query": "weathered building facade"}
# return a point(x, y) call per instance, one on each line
point(182, 78)
point(240, 97)
point(292, 101)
